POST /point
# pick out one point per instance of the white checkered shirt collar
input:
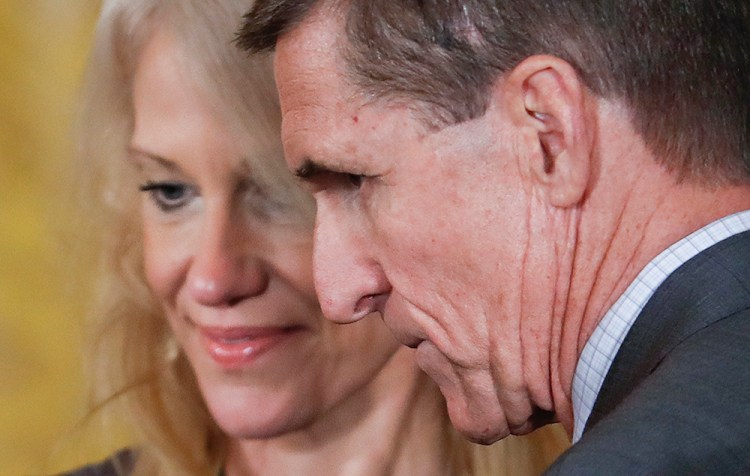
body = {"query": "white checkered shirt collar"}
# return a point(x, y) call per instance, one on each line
point(602, 346)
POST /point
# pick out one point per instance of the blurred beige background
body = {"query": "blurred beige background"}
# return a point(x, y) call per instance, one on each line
point(43, 49)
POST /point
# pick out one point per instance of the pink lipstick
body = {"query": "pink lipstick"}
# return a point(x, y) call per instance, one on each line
point(234, 347)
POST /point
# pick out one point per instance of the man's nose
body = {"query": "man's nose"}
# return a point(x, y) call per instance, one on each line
point(349, 282)
point(224, 268)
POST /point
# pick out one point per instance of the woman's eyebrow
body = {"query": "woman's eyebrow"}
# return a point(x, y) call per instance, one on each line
point(137, 154)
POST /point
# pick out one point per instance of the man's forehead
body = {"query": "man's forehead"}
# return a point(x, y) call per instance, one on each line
point(318, 36)
point(326, 116)
point(308, 52)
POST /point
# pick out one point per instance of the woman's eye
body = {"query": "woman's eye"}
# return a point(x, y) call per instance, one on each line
point(168, 196)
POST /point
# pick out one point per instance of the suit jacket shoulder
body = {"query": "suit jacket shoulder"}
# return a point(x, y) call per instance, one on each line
point(677, 397)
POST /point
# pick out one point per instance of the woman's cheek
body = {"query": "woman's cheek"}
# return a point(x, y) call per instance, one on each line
point(163, 261)
point(294, 261)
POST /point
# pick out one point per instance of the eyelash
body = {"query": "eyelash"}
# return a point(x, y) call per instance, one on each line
point(160, 192)
point(356, 180)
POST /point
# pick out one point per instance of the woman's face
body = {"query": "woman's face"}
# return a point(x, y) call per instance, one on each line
point(230, 262)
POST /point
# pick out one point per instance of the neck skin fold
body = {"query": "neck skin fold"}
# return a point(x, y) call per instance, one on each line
point(629, 215)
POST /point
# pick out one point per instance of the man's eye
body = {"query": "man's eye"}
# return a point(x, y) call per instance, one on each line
point(168, 196)
point(355, 179)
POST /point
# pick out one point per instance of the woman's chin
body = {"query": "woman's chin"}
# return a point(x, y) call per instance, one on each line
point(241, 428)
point(256, 418)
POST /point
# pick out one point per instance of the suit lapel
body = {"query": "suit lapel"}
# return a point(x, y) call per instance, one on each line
point(708, 287)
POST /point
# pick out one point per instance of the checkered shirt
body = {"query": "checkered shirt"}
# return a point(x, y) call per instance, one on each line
point(602, 346)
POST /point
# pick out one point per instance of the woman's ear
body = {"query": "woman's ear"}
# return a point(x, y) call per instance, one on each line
point(548, 102)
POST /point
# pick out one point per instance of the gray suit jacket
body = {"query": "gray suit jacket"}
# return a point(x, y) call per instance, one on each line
point(676, 400)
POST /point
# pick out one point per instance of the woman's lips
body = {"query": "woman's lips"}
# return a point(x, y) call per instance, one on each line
point(234, 347)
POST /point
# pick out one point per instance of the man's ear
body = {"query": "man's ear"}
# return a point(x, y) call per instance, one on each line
point(547, 101)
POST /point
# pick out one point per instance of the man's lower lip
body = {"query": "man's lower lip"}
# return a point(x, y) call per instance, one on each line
point(240, 352)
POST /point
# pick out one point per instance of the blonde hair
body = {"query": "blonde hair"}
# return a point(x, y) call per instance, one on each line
point(136, 368)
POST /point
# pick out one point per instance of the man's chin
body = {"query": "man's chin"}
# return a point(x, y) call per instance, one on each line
point(473, 411)
point(485, 430)
point(475, 428)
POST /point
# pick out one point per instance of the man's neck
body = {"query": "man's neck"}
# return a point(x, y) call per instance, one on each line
point(637, 216)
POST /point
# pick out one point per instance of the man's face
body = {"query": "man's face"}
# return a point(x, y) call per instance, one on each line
point(428, 226)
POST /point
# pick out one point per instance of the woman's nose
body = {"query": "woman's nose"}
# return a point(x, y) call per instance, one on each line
point(225, 269)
